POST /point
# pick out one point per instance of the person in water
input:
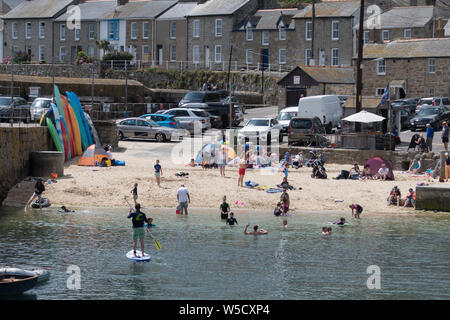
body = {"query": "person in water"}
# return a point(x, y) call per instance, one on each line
point(138, 219)
point(255, 230)
point(278, 209)
point(232, 220)
point(356, 210)
point(224, 209)
point(341, 222)
point(285, 223)
point(63, 208)
point(38, 190)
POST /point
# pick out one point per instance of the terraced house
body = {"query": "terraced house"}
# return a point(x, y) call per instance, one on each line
point(29, 28)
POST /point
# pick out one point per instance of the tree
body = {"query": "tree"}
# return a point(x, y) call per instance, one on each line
point(104, 45)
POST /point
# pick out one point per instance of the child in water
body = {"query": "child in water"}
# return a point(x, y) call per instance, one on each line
point(232, 220)
point(340, 222)
point(326, 231)
point(224, 209)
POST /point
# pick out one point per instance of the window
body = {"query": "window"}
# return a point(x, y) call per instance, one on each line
point(134, 30)
point(42, 30)
point(335, 30)
point(62, 53)
point(366, 37)
point(308, 31)
point(14, 30)
point(173, 53)
point(407, 33)
point(218, 53)
point(91, 33)
point(282, 56)
point(113, 30)
point(15, 49)
point(431, 65)
point(196, 28)
point(385, 35)
point(144, 30)
point(308, 56)
point(218, 27)
point(196, 54)
point(249, 56)
point(145, 52)
point(41, 53)
point(282, 34)
point(62, 32)
point(91, 51)
point(381, 67)
point(265, 38)
point(379, 91)
point(173, 30)
point(77, 34)
point(335, 57)
point(28, 30)
point(249, 34)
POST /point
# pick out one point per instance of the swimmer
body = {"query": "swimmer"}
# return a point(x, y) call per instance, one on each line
point(324, 231)
point(255, 230)
point(224, 209)
point(231, 220)
point(340, 222)
point(285, 223)
point(329, 230)
point(63, 208)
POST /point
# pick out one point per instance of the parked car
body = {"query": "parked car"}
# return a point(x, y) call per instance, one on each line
point(306, 130)
point(39, 107)
point(443, 102)
point(260, 129)
point(164, 120)
point(329, 106)
point(407, 103)
point(405, 118)
point(235, 102)
point(188, 117)
point(285, 116)
point(146, 129)
point(221, 113)
point(21, 109)
point(432, 115)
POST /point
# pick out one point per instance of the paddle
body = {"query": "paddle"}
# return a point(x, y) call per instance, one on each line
point(157, 244)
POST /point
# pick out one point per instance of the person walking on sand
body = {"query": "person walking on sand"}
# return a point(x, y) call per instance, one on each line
point(222, 160)
point(183, 198)
point(241, 173)
point(445, 133)
point(138, 218)
point(158, 173)
point(134, 193)
point(38, 190)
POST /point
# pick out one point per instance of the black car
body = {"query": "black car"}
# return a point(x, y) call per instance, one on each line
point(432, 115)
point(21, 109)
point(409, 103)
point(201, 97)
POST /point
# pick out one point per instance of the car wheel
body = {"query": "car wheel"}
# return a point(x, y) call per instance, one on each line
point(121, 137)
point(160, 137)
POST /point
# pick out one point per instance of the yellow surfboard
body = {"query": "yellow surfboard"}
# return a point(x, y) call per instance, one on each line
point(76, 131)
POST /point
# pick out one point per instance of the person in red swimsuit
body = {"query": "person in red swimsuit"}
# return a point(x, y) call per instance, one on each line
point(242, 166)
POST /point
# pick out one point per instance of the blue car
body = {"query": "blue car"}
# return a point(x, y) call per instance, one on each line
point(164, 120)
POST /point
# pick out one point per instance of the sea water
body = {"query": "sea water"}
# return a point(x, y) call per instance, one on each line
point(203, 258)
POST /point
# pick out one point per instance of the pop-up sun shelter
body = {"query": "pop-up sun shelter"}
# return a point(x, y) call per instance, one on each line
point(91, 155)
point(210, 153)
point(375, 165)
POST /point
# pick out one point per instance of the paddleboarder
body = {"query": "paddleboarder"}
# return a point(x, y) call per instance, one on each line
point(138, 219)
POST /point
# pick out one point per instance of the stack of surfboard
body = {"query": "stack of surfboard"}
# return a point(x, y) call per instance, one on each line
point(71, 129)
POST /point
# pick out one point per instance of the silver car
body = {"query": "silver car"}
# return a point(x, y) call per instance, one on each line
point(39, 107)
point(147, 129)
point(261, 129)
point(188, 117)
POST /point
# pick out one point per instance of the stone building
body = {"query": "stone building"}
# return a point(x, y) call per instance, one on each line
point(415, 68)
point(29, 28)
point(333, 41)
point(5, 7)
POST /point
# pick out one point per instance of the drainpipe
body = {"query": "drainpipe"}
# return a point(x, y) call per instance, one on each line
point(153, 43)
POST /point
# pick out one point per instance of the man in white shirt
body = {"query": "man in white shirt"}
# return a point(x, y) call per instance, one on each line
point(383, 172)
point(183, 199)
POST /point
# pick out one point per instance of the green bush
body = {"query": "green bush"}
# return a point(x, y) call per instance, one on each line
point(21, 57)
point(82, 58)
point(118, 55)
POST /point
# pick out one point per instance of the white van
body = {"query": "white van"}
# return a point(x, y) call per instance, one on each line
point(318, 106)
point(285, 116)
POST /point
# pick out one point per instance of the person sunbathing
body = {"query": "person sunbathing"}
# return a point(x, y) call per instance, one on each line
point(354, 172)
point(366, 174)
point(415, 167)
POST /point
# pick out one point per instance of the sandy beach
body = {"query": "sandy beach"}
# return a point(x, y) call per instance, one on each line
point(106, 187)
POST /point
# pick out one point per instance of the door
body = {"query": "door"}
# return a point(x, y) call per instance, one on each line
point(293, 95)
point(265, 58)
point(207, 61)
point(142, 129)
point(73, 53)
point(159, 49)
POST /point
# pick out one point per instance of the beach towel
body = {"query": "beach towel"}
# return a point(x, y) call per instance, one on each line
point(274, 190)
point(251, 184)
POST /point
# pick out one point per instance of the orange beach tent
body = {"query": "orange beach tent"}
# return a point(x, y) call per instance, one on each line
point(92, 155)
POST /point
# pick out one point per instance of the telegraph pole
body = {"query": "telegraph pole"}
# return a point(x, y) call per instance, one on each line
point(358, 65)
point(312, 29)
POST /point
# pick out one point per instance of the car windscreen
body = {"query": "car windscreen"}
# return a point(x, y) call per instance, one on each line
point(425, 101)
point(258, 123)
point(301, 123)
point(41, 104)
point(5, 101)
point(428, 112)
point(194, 96)
point(202, 114)
point(286, 115)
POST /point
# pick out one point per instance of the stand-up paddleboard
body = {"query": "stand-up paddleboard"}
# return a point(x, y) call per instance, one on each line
point(65, 136)
point(76, 131)
point(54, 135)
point(94, 132)
point(57, 123)
point(77, 104)
point(138, 258)
point(84, 140)
point(70, 131)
